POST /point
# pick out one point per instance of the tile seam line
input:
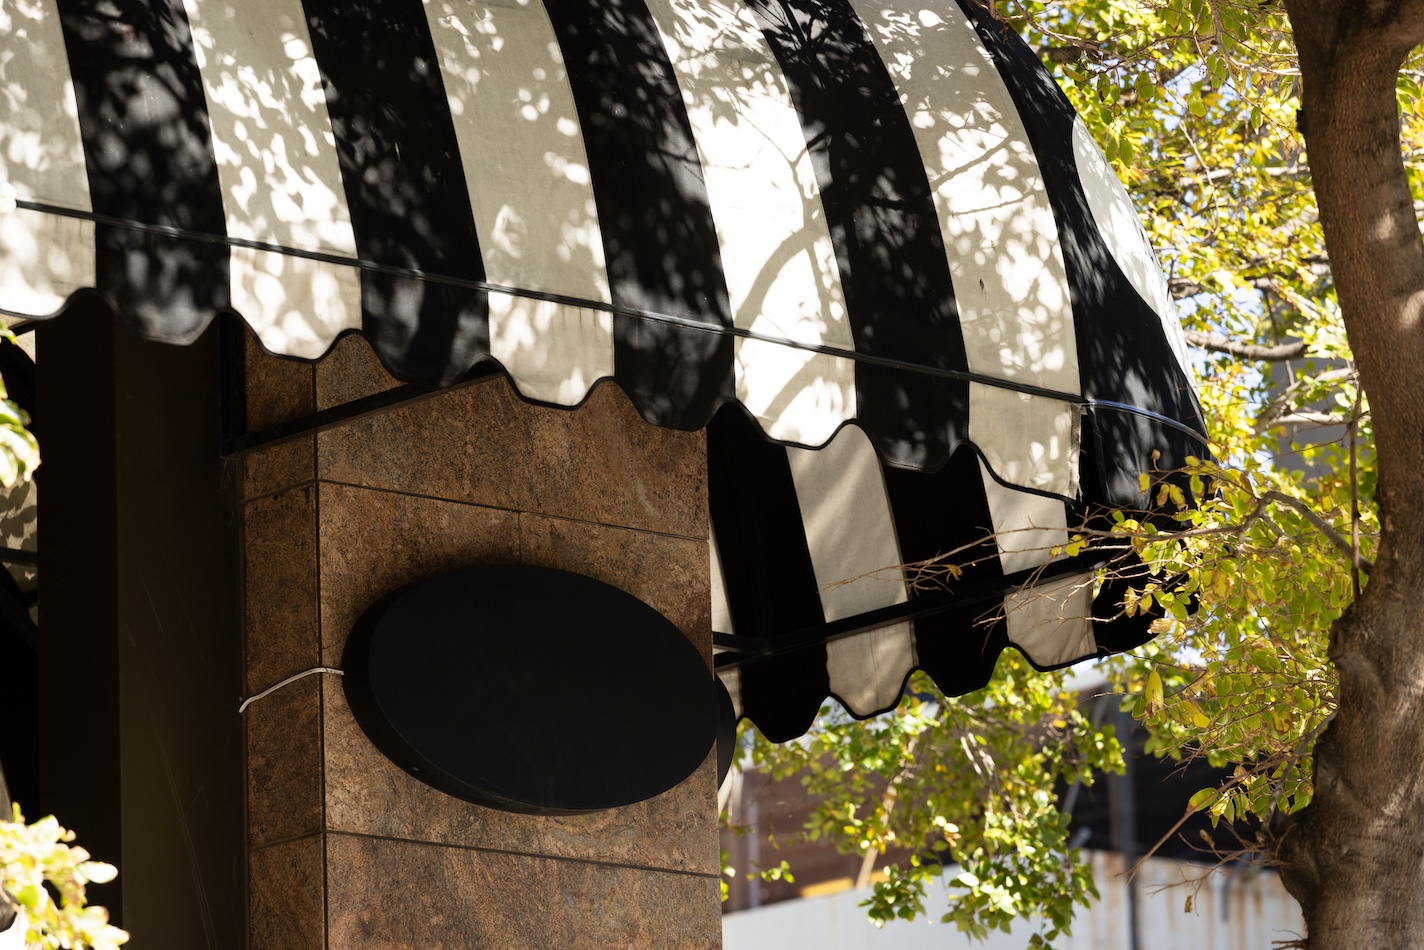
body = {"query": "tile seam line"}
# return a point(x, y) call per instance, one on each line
point(320, 686)
point(281, 491)
point(520, 854)
point(521, 511)
point(305, 836)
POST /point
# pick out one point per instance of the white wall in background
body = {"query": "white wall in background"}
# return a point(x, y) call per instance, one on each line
point(1244, 910)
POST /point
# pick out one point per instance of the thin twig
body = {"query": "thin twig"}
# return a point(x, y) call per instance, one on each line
point(1293, 760)
point(1336, 538)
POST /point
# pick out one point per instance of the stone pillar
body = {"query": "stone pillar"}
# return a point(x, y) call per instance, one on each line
point(346, 851)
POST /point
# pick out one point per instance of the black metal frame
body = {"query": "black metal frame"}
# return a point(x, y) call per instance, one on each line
point(237, 441)
point(631, 312)
point(740, 648)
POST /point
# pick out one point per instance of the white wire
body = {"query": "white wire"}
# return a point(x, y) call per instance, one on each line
point(291, 679)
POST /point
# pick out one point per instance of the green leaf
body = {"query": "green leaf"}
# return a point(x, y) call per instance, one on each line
point(1154, 691)
point(1201, 799)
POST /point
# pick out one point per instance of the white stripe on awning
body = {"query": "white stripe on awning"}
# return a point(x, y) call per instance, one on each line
point(1028, 440)
point(867, 672)
point(43, 259)
point(530, 191)
point(1027, 527)
point(721, 610)
point(782, 276)
point(849, 527)
point(278, 171)
point(999, 231)
point(1122, 232)
point(1052, 622)
point(850, 532)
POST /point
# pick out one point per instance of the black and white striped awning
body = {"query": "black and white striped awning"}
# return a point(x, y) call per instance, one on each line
point(873, 230)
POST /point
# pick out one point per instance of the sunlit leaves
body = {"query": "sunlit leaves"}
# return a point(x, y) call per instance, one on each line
point(1211, 155)
point(19, 452)
point(45, 877)
point(1221, 177)
point(967, 786)
point(1246, 679)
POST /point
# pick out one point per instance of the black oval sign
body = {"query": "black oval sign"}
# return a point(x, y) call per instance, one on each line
point(531, 689)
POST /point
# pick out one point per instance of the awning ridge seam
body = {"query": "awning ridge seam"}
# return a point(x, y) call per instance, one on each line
point(684, 322)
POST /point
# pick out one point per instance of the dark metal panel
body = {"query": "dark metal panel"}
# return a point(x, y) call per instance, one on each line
point(79, 683)
point(141, 654)
point(180, 642)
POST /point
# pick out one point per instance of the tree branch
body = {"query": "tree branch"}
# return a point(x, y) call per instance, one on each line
point(1303, 418)
point(1061, 54)
point(1246, 351)
point(1336, 538)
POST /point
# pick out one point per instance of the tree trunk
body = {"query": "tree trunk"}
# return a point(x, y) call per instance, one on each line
point(1355, 857)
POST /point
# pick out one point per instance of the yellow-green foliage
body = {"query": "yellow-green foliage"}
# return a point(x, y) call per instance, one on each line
point(45, 877)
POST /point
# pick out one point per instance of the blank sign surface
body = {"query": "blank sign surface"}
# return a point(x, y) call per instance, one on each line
point(531, 689)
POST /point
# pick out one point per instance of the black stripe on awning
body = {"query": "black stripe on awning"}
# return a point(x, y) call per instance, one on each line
point(1120, 363)
point(149, 159)
point(660, 244)
point(883, 221)
point(404, 181)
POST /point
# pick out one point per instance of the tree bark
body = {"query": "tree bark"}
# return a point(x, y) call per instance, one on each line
point(1355, 857)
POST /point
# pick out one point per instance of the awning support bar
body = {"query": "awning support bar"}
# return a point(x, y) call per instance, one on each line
point(240, 444)
point(739, 648)
point(742, 648)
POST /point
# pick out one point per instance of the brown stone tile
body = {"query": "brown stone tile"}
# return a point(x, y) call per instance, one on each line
point(278, 390)
point(484, 445)
point(669, 574)
point(350, 371)
point(279, 467)
point(388, 894)
point(604, 463)
point(366, 793)
point(464, 445)
point(284, 763)
point(373, 542)
point(280, 576)
point(287, 896)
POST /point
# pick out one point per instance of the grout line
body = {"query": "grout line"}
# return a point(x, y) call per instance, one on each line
point(246, 750)
point(281, 491)
point(524, 854)
point(326, 891)
point(320, 642)
point(321, 681)
point(306, 836)
point(537, 514)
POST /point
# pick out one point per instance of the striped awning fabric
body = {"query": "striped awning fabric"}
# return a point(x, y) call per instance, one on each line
point(873, 230)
